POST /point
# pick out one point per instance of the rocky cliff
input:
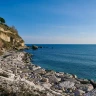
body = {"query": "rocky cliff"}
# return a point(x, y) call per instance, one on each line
point(9, 38)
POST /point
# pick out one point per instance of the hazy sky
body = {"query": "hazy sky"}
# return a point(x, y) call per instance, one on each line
point(52, 21)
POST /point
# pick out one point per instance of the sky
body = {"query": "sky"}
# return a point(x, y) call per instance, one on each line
point(52, 21)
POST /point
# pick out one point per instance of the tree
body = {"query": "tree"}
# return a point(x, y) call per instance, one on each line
point(2, 20)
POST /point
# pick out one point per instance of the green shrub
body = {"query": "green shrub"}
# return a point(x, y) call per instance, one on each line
point(2, 20)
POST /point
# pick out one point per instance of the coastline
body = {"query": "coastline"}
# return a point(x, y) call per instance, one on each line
point(18, 71)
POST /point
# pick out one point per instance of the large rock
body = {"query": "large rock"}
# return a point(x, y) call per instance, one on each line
point(34, 47)
point(79, 92)
point(71, 80)
point(91, 93)
point(39, 71)
point(85, 87)
point(66, 84)
point(46, 85)
point(84, 81)
point(54, 79)
point(45, 80)
point(93, 83)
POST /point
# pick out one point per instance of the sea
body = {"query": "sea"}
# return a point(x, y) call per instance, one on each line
point(79, 59)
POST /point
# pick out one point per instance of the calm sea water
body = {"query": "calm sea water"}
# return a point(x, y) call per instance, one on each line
point(74, 59)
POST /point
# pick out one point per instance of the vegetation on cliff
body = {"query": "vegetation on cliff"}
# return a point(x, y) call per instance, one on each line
point(2, 20)
point(9, 37)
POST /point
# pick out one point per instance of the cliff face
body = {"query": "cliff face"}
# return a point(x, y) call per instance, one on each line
point(9, 38)
point(4, 37)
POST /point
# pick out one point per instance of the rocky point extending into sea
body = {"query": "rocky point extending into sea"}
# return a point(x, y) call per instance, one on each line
point(19, 77)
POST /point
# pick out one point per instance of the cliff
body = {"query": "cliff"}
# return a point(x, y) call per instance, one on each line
point(9, 38)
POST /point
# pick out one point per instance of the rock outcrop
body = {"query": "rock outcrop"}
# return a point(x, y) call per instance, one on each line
point(34, 47)
point(9, 38)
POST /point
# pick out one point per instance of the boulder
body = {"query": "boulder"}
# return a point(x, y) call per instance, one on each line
point(44, 80)
point(85, 87)
point(35, 67)
point(79, 92)
point(91, 93)
point(54, 79)
point(66, 84)
point(71, 80)
point(39, 71)
point(74, 76)
point(46, 85)
point(34, 47)
point(84, 81)
point(93, 83)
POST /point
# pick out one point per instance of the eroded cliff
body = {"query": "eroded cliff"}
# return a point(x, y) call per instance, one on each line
point(9, 38)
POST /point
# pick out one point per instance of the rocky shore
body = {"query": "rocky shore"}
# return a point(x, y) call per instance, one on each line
point(19, 77)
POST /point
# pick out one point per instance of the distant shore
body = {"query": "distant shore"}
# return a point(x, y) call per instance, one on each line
point(17, 72)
